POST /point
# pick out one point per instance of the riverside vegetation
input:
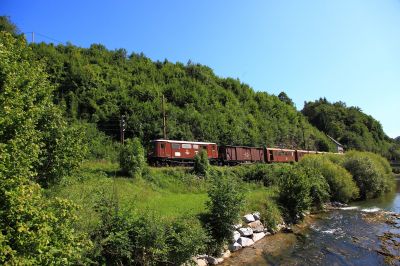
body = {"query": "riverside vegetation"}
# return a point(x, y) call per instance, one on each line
point(113, 208)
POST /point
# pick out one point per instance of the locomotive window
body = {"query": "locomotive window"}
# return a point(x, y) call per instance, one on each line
point(186, 146)
point(175, 146)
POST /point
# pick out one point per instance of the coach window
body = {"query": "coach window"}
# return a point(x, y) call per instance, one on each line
point(162, 145)
point(175, 146)
point(204, 147)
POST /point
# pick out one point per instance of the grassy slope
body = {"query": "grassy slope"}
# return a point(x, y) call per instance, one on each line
point(168, 192)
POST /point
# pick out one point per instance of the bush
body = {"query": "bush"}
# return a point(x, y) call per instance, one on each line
point(201, 165)
point(371, 172)
point(300, 189)
point(341, 184)
point(226, 201)
point(36, 230)
point(319, 190)
point(145, 239)
point(131, 158)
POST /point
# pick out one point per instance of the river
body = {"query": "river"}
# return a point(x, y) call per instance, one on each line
point(339, 237)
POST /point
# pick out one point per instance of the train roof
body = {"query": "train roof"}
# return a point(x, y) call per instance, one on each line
point(243, 146)
point(184, 142)
point(279, 149)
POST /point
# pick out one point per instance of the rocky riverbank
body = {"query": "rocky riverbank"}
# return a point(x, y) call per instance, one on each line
point(246, 234)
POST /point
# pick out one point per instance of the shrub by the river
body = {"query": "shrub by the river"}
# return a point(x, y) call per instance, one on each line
point(131, 157)
point(300, 189)
point(371, 172)
point(294, 193)
point(341, 184)
point(226, 200)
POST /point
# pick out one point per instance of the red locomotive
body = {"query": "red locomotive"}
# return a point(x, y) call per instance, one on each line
point(179, 152)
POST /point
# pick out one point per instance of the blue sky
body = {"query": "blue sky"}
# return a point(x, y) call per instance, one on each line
point(347, 50)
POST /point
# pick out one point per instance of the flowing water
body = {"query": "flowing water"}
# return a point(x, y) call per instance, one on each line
point(350, 236)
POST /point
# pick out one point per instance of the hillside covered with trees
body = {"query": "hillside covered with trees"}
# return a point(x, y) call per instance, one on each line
point(97, 85)
point(351, 127)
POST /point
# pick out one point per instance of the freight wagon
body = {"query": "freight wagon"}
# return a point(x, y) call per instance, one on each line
point(232, 155)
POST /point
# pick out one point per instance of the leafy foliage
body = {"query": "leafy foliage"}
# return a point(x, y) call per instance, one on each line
point(7, 26)
point(341, 184)
point(34, 230)
point(201, 165)
point(371, 172)
point(124, 239)
point(226, 201)
point(131, 158)
point(301, 188)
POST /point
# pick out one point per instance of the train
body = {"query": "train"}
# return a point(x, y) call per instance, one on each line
point(177, 152)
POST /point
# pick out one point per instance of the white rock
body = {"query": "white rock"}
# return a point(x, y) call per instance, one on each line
point(237, 226)
point(235, 246)
point(220, 260)
point(245, 241)
point(226, 254)
point(267, 233)
point(258, 236)
point(257, 226)
point(248, 218)
point(201, 262)
point(236, 236)
point(256, 216)
point(245, 231)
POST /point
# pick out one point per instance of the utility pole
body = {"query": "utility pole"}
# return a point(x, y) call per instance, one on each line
point(164, 118)
point(122, 126)
point(33, 37)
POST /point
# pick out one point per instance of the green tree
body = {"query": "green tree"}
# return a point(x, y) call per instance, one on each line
point(131, 158)
point(285, 98)
point(7, 26)
point(35, 230)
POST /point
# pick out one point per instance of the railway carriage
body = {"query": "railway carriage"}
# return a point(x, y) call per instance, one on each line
point(277, 155)
point(232, 155)
point(175, 152)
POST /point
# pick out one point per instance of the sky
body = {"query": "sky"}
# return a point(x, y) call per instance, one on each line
point(344, 50)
